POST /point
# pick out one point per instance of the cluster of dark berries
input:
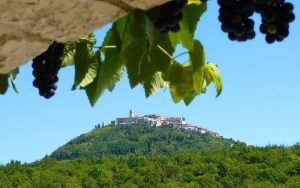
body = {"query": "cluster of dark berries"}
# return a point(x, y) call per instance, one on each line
point(235, 18)
point(170, 14)
point(276, 16)
point(45, 69)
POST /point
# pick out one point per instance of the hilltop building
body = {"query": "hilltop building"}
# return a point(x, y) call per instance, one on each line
point(157, 120)
point(152, 120)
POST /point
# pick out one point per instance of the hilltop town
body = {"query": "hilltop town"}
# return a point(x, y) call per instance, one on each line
point(157, 120)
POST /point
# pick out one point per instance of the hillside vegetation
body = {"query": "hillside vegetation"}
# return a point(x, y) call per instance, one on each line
point(142, 156)
point(138, 139)
point(239, 166)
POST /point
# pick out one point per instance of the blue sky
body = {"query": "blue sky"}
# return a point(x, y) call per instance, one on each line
point(259, 104)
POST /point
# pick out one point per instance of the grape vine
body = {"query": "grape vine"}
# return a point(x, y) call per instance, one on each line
point(148, 53)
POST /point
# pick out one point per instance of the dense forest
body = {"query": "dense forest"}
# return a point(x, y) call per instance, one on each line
point(239, 166)
point(174, 158)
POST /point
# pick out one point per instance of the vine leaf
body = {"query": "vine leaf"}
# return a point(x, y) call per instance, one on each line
point(80, 53)
point(70, 49)
point(147, 55)
point(212, 74)
point(112, 56)
point(3, 83)
point(186, 81)
point(133, 56)
point(191, 16)
point(92, 70)
point(150, 31)
point(190, 98)
point(138, 47)
point(110, 71)
point(82, 61)
point(197, 59)
point(154, 84)
point(13, 76)
point(68, 57)
point(184, 87)
point(174, 73)
point(90, 39)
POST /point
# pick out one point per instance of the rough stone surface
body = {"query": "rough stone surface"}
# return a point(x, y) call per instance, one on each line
point(27, 27)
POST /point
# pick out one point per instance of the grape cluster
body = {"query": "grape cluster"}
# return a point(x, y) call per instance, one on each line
point(170, 14)
point(235, 18)
point(45, 69)
point(276, 16)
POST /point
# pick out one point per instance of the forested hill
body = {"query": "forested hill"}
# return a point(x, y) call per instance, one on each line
point(141, 156)
point(138, 139)
point(240, 166)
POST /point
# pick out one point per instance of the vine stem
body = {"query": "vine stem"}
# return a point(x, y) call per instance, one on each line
point(106, 47)
point(170, 56)
point(165, 52)
point(183, 53)
point(111, 46)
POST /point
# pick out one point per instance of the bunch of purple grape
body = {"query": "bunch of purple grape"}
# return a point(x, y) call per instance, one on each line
point(45, 69)
point(170, 14)
point(276, 16)
point(235, 18)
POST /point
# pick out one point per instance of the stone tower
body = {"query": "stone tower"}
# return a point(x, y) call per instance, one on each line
point(130, 113)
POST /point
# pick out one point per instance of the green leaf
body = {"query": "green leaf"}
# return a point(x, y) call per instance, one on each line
point(136, 46)
point(174, 73)
point(150, 31)
point(190, 98)
point(197, 59)
point(133, 42)
point(191, 17)
point(82, 60)
point(175, 96)
point(113, 56)
point(110, 71)
point(12, 76)
point(204, 86)
point(184, 37)
point(79, 53)
point(131, 27)
point(92, 70)
point(159, 60)
point(90, 39)
point(139, 51)
point(3, 83)
point(70, 49)
point(154, 84)
point(212, 74)
point(192, 14)
point(68, 57)
point(185, 87)
point(132, 57)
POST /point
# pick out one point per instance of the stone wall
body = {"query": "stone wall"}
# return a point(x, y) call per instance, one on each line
point(27, 27)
